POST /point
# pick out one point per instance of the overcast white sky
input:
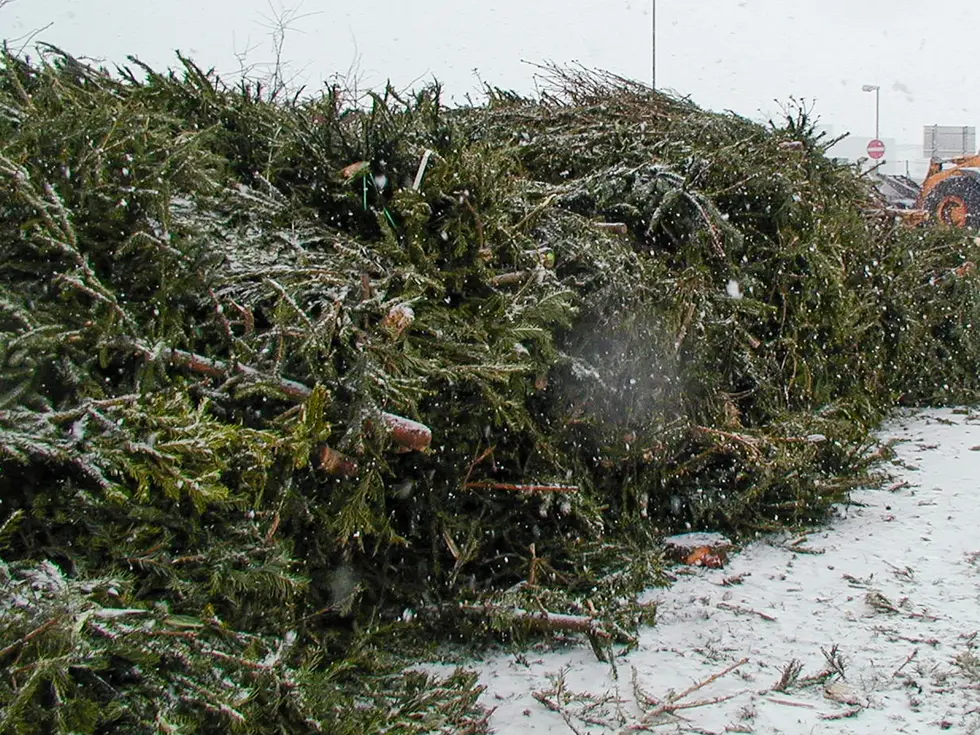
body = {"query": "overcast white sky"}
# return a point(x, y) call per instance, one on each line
point(726, 54)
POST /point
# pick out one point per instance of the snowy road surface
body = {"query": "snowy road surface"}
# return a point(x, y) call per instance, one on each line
point(866, 626)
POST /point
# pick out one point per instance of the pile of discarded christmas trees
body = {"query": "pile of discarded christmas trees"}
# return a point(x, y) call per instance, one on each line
point(292, 384)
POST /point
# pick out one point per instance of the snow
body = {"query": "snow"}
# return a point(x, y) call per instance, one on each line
point(691, 541)
point(887, 592)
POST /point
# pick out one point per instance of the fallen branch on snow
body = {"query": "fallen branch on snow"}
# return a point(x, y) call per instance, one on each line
point(673, 701)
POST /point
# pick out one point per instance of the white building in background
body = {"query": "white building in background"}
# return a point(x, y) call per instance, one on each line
point(906, 158)
point(902, 158)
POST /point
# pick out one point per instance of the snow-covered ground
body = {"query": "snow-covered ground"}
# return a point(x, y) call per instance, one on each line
point(868, 625)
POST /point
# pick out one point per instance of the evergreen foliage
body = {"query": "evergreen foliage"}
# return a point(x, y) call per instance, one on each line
point(213, 301)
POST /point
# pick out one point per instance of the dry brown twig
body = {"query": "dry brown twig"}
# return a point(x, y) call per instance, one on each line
point(673, 702)
point(905, 572)
point(893, 635)
point(557, 707)
point(850, 712)
point(798, 547)
point(790, 703)
point(593, 708)
point(748, 442)
point(520, 488)
point(739, 610)
point(735, 579)
point(908, 660)
point(30, 636)
point(790, 675)
point(790, 678)
point(856, 581)
point(836, 663)
point(545, 620)
point(880, 603)
point(488, 452)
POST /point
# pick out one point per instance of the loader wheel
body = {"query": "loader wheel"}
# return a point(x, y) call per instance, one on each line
point(955, 202)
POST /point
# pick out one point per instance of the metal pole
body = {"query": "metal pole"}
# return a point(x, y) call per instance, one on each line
point(653, 44)
point(877, 111)
point(877, 90)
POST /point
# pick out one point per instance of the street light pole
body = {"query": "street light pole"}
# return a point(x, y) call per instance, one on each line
point(877, 90)
point(653, 44)
point(877, 112)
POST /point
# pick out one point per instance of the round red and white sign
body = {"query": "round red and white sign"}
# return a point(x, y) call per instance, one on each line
point(876, 149)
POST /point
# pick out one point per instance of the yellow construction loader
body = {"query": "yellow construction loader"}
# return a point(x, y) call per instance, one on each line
point(951, 192)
